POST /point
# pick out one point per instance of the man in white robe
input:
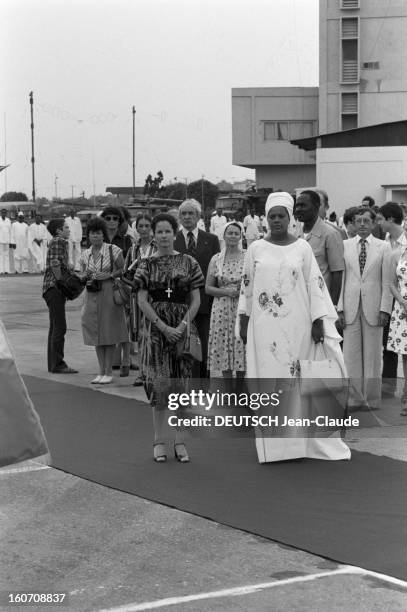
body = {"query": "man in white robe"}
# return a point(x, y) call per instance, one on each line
point(217, 225)
point(19, 237)
point(5, 240)
point(37, 243)
point(75, 239)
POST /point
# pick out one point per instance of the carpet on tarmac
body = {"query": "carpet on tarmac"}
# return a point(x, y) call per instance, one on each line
point(353, 512)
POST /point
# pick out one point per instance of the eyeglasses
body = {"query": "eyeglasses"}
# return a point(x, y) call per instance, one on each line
point(111, 218)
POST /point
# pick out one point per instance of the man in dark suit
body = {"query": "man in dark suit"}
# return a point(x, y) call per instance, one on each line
point(202, 246)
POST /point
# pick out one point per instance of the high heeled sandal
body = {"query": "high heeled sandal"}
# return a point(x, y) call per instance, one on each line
point(181, 457)
point(159, 457)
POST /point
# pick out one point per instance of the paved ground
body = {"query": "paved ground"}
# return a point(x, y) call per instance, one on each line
point(110, 550)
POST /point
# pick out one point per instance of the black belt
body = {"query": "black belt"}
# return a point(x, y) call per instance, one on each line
point(176, 296)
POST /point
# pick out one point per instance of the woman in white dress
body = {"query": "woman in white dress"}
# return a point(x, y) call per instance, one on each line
point(21, 434)
point(287, 313)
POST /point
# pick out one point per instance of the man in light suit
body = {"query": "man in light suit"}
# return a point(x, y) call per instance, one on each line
point(364, 308)
point(202, 246)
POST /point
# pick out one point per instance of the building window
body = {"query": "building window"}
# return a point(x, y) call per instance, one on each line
point(371, 65)
point(288, 130)
point(349, 110)
point(349, 4)
point(350, 49)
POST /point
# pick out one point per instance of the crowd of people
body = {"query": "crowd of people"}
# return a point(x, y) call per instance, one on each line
point(307, 285)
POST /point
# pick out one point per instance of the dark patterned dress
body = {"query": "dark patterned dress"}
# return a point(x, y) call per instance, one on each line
point(159, 362)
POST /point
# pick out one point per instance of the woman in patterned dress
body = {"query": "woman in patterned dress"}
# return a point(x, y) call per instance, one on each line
point(103, 321)
point(226, 352)
point(168, 295)
point(397, 340)
point(142, 248)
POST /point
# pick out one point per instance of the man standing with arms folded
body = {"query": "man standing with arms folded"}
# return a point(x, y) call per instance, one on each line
point(75, 239)
point(202, 246)
point(364, 309)
point(19, 237)
point(324, 240)
point(5, 241)
point(390, 219)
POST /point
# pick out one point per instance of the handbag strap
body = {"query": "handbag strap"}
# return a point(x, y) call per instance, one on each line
point(111, 257)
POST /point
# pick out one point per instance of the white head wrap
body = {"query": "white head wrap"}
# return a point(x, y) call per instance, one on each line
point(280, 198)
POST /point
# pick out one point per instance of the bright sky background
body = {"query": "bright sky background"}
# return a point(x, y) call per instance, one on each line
point(89, 61)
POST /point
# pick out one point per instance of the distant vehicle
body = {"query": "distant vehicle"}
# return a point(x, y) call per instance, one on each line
point(13, 208)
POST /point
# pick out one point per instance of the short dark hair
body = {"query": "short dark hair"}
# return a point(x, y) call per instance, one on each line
point(164, 217)
point(313, 196)
point(370, 200)
point(332, 216)
point(141, 217)
point(361, 210)
point(113, 210)
point(349, 214)
point(392, 210)
point(54, 225)
point(97, 224)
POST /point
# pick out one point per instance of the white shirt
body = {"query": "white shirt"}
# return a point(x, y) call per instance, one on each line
point(75, 227)
point(201, 225)
point(217, 225)
point(38, 232)
point(368, 242)
point(5, 230)
point(19, 236)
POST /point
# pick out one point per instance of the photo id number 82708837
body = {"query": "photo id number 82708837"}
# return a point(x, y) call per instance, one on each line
point(31, 598)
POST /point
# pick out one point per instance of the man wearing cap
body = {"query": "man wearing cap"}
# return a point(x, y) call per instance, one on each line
point(75, 239)
point(19, 237)
point(5, 241)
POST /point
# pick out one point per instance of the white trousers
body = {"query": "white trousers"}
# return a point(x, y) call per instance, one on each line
point(21, 264)
point(4, 258)
point(362, 351)
point(74, 253)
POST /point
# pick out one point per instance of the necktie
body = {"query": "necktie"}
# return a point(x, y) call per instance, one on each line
point(362, 255)
point(191, 243)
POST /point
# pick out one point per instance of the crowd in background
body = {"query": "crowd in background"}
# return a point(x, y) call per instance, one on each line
point(238, 284)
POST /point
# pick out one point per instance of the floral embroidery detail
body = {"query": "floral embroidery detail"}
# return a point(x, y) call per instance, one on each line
point(263, 300)
point(277, 299)
point(321, 282)
point(273, 347)
point(295, 368)
point(246, 280)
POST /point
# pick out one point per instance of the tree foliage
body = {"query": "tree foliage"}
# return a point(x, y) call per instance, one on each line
point(205, 190)
point(13, 196)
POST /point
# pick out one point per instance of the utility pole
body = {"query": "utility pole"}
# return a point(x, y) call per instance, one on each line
point(56, 186)
point(72, 186)
point(134, 151)
point(32, 144)
point(5, 154)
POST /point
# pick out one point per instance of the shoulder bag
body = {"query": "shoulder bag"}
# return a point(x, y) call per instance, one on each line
point(189, 347)
point(70, 285)
point(121, 290)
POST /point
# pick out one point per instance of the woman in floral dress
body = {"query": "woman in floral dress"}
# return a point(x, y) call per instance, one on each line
point(168, 296)
point(287, 311)
point(226, 352)
point(397, 340)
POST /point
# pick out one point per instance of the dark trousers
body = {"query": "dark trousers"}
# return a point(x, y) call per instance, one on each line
point(390, 363)
point(202, 321)
point(57, 328)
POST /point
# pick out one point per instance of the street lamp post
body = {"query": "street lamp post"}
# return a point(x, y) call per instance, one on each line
point(202, 191)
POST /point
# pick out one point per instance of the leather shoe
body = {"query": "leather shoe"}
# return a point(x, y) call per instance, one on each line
point(124, 371)
point(65, 370)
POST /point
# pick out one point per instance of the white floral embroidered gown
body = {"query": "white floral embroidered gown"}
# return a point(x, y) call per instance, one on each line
point(284, 292)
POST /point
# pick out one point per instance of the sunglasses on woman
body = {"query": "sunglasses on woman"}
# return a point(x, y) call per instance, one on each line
point(111, 218)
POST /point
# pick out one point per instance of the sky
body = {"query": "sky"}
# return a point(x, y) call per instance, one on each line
point(88, 62)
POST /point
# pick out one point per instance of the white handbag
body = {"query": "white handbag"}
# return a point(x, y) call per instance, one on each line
point(319, 374)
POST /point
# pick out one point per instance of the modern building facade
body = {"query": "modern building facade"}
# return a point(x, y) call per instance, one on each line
point(362, 82)
point(362, 63)
point(264, 120)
